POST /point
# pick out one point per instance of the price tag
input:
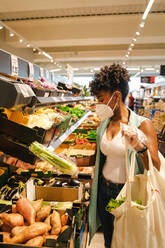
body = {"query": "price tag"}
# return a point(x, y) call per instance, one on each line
point(41, 72)
point(31, 71)
point(23, 90)
point(30, 190)
point(14, 65)
point(46, 94)
point(47, 75)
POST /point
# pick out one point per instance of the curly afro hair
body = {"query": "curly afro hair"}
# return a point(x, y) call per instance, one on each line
point(111, 78)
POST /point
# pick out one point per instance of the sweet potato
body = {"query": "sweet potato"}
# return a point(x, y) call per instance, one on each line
point(43, 213)
point(56, 223)
point(24, 207)
point(12, 220)
point(63, 228)
point(37, 205)
point(47, 220)
point(17, 229)
point(32, 231)
point(50, 237)
point(6, 236)
point(64, 219)
point(37, 241)
point(14, 209)
point(6, 228)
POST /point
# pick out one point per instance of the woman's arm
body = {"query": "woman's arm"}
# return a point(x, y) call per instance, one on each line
point(148, 129)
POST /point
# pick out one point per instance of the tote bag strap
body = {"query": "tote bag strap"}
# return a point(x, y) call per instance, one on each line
point(129, 173)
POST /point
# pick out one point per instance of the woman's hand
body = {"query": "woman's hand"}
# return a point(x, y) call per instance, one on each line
point(134, 136)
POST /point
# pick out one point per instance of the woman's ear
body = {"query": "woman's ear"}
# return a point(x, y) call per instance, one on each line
point(118, 95)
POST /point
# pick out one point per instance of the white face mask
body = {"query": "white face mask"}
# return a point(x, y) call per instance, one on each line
point(104, 111)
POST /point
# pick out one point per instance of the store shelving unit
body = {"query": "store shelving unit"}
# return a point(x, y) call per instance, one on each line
point(152, 105)
point(46, 100)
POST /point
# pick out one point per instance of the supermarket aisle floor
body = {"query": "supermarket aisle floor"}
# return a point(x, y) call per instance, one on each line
point(97, 241)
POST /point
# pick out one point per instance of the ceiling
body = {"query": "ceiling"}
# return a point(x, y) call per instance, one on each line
point(87, 34)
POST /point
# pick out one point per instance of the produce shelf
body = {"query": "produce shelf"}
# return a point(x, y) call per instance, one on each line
point(58, 142)
point(51, 101)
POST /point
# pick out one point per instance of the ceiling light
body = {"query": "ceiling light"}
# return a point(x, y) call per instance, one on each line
point(20, 40)
point(137, 33)
point(141, 70)
point(39, 52)
point(132, 44)
point(134, 39)
point(52, 60)
point(34, 49)
point(157, 71)
point(147, 9)
point(47, 55)
point(1, 27)
point(11, 34)
point(149, 69)
point(91, 70)
point(126, 55)
point(58, 69)
point(60, 66)
point(141, 24)
point(75, 69)
point(96, 68)
point(28, 45)
point(123, 63)
point(130, 48)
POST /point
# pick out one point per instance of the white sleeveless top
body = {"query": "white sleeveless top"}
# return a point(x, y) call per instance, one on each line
point(114, 150)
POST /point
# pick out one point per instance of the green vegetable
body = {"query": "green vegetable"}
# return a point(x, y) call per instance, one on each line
point(113, 204)
point(73, 111)
point(63, 165)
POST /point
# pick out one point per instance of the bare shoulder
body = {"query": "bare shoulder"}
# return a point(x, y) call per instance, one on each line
point(147, 127)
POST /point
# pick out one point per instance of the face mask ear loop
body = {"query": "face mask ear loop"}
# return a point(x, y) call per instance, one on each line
point(115, 105)
point(110, 99)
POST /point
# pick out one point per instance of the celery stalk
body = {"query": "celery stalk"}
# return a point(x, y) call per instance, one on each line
point(62, 164)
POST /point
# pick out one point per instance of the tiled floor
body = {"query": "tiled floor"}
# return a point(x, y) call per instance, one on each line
point(97, 241)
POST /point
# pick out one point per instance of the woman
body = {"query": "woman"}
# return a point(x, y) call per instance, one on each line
point(111, 88)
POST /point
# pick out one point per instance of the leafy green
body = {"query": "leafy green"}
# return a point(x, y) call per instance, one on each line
point(113, 204)
point(73, 111)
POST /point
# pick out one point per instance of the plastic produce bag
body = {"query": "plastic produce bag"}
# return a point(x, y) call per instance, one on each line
point(133, 132)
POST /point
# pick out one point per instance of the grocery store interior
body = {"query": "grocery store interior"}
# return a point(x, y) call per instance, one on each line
point(49, 53)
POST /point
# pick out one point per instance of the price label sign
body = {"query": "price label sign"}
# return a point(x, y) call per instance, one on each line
point(14, 65)
point(31, 71)
point(47, 75)
point(42, 72)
